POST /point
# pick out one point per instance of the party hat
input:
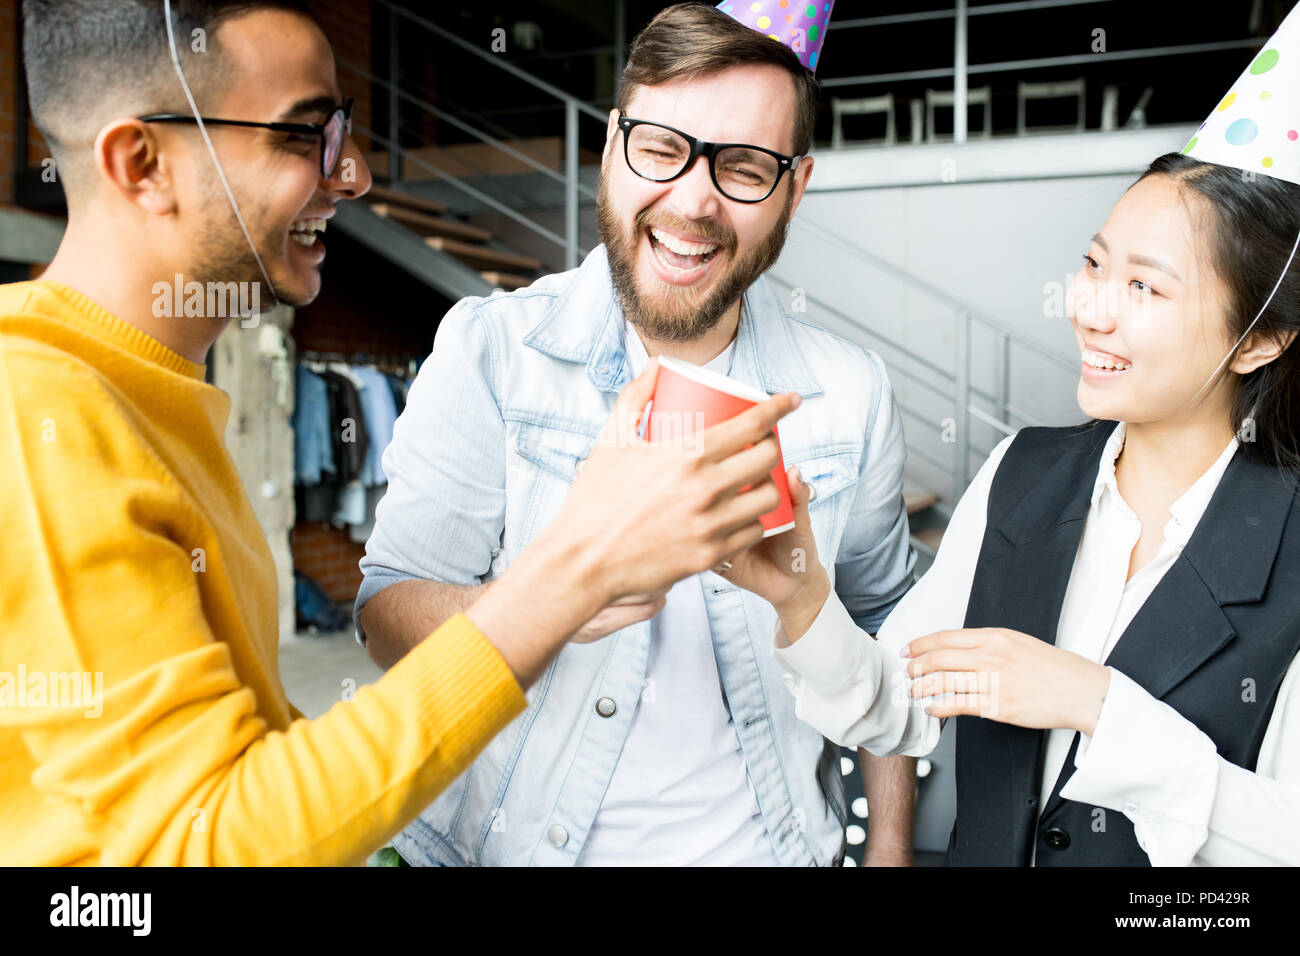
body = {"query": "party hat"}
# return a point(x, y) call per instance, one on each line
point(1256, 127)
point(799, 25)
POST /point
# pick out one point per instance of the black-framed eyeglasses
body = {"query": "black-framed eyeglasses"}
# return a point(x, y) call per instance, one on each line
point(740, 172)
point(331, 132)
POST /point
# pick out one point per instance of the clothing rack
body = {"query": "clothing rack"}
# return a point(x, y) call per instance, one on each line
point(399, 364)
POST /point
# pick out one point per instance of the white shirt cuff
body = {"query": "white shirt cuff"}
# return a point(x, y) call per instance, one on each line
point(828, 656)
point(1155, 766)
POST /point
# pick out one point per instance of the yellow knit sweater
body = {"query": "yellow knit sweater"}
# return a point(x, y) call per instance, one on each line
point(142, 719)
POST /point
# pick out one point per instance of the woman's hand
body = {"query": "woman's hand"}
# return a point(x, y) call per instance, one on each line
point(784, 569)
point(1006, 676)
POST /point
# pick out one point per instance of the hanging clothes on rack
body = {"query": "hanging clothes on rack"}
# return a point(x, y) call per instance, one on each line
point(313, 452)
point(343, 421)
point(381, 412)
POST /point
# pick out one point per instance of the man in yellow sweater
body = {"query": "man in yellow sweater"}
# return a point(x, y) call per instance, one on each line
point(142, 718)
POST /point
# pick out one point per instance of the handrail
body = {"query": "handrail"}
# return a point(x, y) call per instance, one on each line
point(963, 389)
point(498, 62)
point(936, 371)
point(960, 394)
point(1021, 7)
point(470, 190)
point(997, 423)
point(1007, 66)
point(574, 108)
point(955, 304)
point(465, 127)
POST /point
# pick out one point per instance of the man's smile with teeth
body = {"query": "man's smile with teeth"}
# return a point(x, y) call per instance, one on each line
point(304, 231)
point(677, 255)
point(681, 247)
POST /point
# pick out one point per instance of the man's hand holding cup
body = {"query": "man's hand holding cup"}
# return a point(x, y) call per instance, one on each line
point(651, 512)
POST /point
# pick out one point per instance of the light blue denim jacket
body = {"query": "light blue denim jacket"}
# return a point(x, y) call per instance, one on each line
point(514, 395)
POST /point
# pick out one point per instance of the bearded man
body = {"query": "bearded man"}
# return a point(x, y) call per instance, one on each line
point(673, 742)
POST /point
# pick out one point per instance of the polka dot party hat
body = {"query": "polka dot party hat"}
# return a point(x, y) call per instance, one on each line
point(799, 24)
point(1256, 127)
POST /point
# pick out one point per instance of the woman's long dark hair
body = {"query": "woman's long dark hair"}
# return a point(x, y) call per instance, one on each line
point(1256, 219)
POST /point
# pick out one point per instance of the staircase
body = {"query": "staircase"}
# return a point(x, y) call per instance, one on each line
point(926, 520)
point(466, 243)
point(449, 254)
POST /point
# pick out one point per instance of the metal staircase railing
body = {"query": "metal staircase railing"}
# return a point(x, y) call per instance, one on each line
point(961, 12)
point(1004, 417)
point(574, 108)
point(569, 241)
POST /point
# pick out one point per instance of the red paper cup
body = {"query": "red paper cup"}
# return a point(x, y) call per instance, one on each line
point(688, 399)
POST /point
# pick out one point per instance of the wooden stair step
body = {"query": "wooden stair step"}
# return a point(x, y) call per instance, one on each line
point(930, 537)
point(504, 280)
point(396, 197)
point(918, 500)
point(425, 224)
point(481, 257)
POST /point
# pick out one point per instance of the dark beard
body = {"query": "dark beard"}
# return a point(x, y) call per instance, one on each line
point(682, 320)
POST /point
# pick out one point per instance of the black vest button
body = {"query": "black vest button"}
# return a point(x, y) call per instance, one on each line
point(1056, 838)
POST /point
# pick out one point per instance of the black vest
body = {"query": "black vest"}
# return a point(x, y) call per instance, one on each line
point(1223, 615)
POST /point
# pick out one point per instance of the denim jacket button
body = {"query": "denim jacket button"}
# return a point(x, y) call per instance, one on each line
point(579, 464)
point(606, 707)
point(812, 493)
point(557, 835)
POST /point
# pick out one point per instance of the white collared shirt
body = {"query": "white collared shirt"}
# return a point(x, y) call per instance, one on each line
point(680, 794)
point(1188, 805)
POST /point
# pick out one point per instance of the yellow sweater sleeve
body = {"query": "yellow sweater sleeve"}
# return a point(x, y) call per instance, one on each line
point(178, 767)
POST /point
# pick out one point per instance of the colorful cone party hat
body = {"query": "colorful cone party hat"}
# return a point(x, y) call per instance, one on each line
point(799, 24)
point(1256, 127)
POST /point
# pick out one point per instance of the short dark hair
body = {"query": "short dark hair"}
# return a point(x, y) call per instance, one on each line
point(1255, 221)
point(691, 39)
point(85, 57)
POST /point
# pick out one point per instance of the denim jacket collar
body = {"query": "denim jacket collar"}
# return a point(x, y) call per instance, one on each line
point(585, 324)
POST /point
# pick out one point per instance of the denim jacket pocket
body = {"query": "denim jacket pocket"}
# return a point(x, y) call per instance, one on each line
point(556, 450)
point(828, 475)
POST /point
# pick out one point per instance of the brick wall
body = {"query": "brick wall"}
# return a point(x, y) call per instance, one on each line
point(369, 305)
point(37, 149)
point(326, 554)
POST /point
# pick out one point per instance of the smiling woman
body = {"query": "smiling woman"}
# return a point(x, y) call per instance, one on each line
point(1113, 617)
point(1197, 256)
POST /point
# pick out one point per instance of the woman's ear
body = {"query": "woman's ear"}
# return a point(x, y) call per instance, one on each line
point(1260, 349)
